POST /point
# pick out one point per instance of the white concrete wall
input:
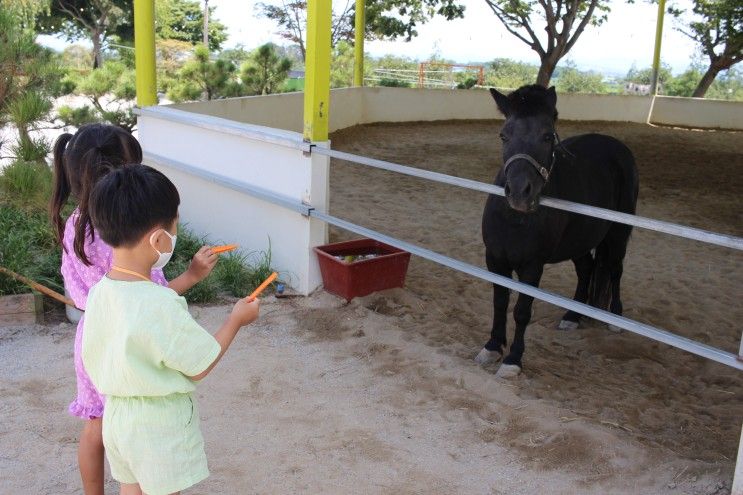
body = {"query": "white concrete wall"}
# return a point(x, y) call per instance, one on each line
point(353, 106)
point(698, 112)
point(282, 111)
point(245, 154)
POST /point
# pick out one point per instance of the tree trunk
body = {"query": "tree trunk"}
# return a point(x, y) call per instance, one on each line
point(549, 62)
point(707, 80)
point(97, 55)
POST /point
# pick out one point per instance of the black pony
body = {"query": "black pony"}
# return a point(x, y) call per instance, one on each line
point(519, 236)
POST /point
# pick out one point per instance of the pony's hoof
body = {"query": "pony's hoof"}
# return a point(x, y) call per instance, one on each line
point(485, 356)
point(615, 329)
point(567, 325)
point(508, 371)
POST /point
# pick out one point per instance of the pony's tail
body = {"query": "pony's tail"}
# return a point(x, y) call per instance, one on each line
point(61, 189)
point(599, 288)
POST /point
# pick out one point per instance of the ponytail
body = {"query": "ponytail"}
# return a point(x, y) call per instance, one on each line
point(61, 188)
point(79, 162)
point(93, 169)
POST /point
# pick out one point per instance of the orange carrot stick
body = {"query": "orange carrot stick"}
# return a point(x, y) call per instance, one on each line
point(224, 249)
point(262, 287)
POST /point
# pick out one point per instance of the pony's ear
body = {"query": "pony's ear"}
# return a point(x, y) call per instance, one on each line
point(501, 101)
point(552, 97)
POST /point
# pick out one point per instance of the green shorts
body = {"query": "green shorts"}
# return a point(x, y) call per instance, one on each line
point(155, 442)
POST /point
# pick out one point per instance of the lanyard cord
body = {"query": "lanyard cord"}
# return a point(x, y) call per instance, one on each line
point(130, 272)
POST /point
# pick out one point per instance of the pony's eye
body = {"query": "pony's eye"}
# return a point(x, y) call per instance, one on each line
point(548, 137)
point(503, 137)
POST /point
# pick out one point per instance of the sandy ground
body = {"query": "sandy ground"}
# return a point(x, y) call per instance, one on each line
point(324, 397)
point(382, 395)
point(663, 397)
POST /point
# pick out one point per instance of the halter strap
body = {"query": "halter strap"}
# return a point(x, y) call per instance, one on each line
point(522, 156)
point(130, 272)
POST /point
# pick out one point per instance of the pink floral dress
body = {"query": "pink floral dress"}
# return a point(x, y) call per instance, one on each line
point(78, 279)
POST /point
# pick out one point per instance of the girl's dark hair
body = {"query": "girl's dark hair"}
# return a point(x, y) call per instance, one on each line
point(79, 161)
point(129, 201)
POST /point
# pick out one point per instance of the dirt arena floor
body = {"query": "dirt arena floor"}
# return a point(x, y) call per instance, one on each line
point(381, 396)
point(663, 398)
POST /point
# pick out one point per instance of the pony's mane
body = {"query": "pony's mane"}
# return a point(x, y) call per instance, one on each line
point(531, 100)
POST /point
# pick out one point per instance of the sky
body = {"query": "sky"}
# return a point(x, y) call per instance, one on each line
point(626, 38)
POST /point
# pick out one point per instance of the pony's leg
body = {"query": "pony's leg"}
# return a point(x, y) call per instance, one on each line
point(616, 271)
point(511, 366)
point(494, 348)
point(619, 238)
point(583, 267)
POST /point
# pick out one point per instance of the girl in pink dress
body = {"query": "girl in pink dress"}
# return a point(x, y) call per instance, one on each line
point(79, 161)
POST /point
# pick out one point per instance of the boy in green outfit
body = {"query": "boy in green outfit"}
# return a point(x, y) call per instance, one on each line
point(141, 347)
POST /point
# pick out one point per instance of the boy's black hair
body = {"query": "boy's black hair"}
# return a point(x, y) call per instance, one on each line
point(129, 201)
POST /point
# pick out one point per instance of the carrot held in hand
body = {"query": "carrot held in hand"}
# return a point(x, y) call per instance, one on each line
point(224, 249)
point(263, 286)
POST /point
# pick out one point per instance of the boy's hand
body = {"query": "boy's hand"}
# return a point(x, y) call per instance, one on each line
point(245, 312)
point(203, 263)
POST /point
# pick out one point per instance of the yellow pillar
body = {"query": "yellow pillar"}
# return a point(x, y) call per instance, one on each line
point(317, 70)
point(656, 53)
point(144, 52)
point(360, 31)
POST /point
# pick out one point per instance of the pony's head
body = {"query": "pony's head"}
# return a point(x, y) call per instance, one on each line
point(529, 141)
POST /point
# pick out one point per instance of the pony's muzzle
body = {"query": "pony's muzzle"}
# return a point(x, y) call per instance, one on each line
point(520, 196)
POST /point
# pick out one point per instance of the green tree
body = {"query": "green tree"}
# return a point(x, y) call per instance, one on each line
point(341, 66)
point(685, 83)
point(572, 80)
point(563, 22)
point(181, 20)
point(510, 74)
point(385, 19)
point(111, 91)
point(728, 85)
point(202, 76)
point(94, 20)
point(645, 76)
point(29, 77)
point(266, 71)
point(717, 26)
point(76, 57)
point(236, 55)
point(25, 11)
point(172, 55)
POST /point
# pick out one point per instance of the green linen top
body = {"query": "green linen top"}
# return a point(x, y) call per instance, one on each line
point(140, 340)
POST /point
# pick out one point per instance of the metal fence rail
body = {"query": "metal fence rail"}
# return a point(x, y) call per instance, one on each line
point(724, 240)
point(651, 332)
point(633, 326)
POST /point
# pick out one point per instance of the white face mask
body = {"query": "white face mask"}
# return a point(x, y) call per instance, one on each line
point(164, 257)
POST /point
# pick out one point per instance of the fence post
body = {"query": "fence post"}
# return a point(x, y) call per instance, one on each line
point(144, 52)
point(738, 476)
point(656, 52)
point(360, 27)
point(317, 77)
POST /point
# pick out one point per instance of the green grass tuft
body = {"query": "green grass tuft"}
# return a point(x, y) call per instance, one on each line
point(235, 274)
point(28, 248)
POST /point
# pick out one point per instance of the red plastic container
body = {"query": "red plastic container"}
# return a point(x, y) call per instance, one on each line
point(386, 270)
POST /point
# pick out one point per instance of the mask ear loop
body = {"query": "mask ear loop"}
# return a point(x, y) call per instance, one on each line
point(152, 244)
